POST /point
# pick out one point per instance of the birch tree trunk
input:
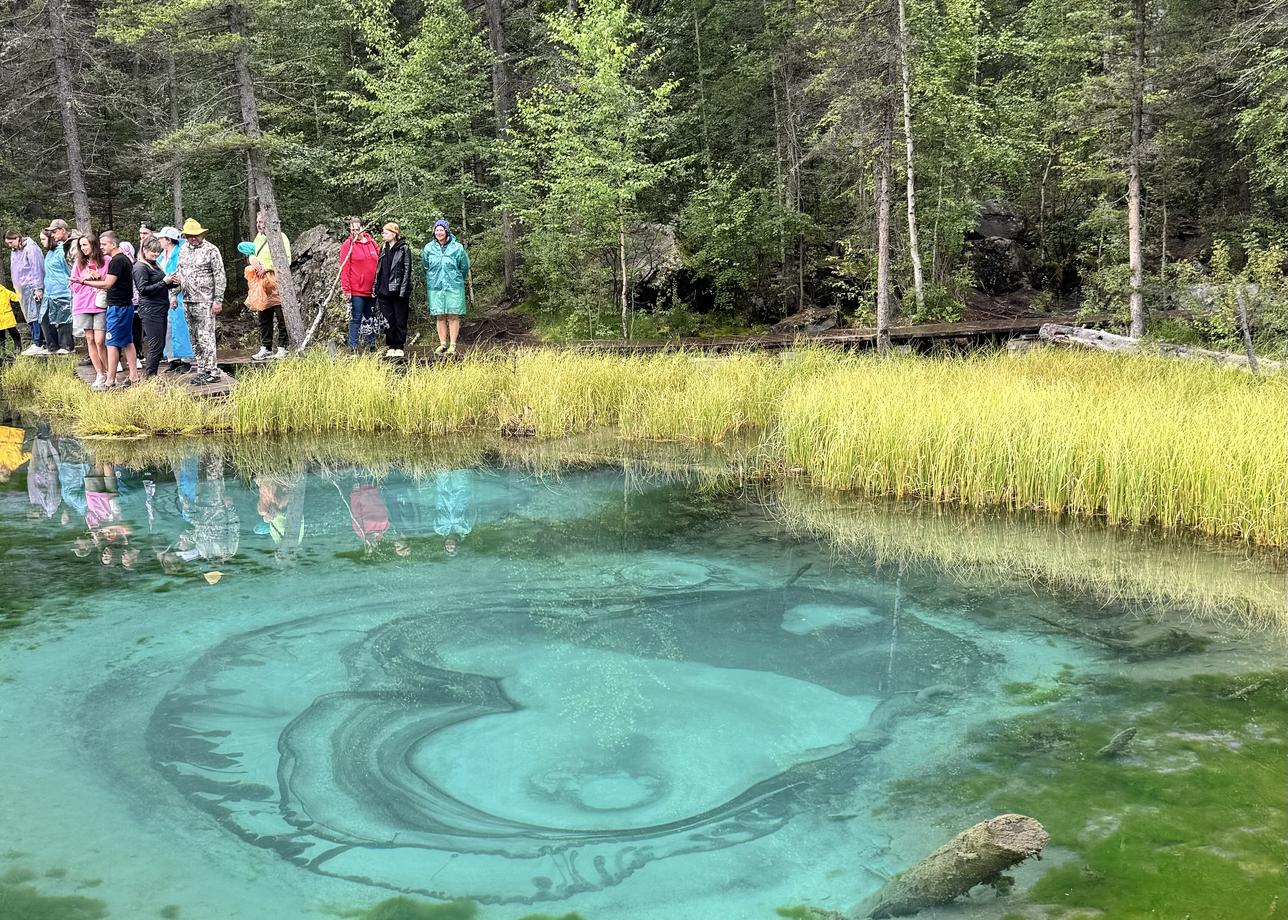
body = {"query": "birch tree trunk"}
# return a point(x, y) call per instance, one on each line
point(176, 180)
point(502, 103)
point(884, 309)
point(906, 67)
point(263, 179)
point(1136, 256)
point(621, 266)
point(56, 11)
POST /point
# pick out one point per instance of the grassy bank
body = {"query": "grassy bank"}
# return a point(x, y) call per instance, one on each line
point(1132, 440)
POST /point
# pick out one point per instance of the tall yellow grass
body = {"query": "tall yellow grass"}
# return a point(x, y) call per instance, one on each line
point(1134, 440)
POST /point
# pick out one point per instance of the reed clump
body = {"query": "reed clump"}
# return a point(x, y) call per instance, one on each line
point(1134, 440)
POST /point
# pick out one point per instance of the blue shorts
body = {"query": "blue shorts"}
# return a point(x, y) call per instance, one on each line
point(120, 326)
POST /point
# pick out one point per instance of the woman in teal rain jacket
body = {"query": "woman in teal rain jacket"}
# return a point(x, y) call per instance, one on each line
point(446, 266)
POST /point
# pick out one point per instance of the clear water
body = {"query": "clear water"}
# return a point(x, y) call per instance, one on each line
point(603, 690)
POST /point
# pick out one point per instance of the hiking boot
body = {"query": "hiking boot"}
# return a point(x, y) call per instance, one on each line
point(260, 355)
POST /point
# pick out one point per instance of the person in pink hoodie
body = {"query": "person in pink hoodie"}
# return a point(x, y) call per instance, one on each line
point(359, 256)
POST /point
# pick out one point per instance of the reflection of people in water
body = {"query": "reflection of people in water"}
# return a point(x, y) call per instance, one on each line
point(454, 511)
point(281, 511)
point(72, 469)
point(370, 517)
point(42, 473)
point(12, 455)
point(108, 531)
point(215, 527)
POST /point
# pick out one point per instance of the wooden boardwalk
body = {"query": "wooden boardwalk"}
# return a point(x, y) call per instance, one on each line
point(921, 337)
point(219, 388)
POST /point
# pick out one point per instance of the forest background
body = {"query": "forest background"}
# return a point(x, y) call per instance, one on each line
point(686, 166)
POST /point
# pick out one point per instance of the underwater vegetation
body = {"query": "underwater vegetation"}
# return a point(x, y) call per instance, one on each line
point(20, 901)
point(1133, 440)
point(1188, 821)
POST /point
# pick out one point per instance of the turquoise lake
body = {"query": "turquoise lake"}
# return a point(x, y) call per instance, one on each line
point(611, 688)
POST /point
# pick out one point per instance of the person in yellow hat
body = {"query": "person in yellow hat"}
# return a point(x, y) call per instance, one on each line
point(9, 320)
point(202, 280)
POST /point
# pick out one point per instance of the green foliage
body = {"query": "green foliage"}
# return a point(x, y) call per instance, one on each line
point(579, 157)
point(418, 148)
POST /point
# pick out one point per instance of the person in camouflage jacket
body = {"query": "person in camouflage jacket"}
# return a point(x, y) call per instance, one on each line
point(202, 280)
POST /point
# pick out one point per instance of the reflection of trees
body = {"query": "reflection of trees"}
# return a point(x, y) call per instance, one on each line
point(1110, 563)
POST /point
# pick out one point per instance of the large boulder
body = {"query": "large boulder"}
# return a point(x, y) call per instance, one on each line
point(809, 321)
point(315, 266)
point(653, 254)
point(1000, 265)
point(997, 219)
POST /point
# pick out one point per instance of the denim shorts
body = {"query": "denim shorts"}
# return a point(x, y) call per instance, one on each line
point(120, 325)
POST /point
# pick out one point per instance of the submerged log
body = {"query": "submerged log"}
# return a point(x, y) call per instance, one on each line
point(978, 855)
point(1107, 341)
point(1117, 744)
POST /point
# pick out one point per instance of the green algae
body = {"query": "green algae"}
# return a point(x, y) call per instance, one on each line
point(20, 901)
point(572, 916)
point(1035, 694)
point(169, 912)
point(1189, 821)
point(403, 908)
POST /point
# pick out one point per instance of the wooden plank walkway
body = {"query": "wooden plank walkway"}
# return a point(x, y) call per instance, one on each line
point(993, 331)
point(219, 388)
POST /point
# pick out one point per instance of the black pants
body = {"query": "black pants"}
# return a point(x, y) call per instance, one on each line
point(17, 339)
point(394, 310)
point(57, 336)
point(154, 330)
point(266, 320)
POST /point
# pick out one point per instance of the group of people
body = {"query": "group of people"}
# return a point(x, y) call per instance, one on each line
point(135, 306)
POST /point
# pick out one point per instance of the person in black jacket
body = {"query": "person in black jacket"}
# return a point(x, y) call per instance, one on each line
point(154, 303)
point(393, 288)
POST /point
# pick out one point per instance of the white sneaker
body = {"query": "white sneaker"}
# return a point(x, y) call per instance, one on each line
point(62, 351)
point(281, 353)
point(138, 362)
point(41, 352)
point(31, 350)
point(394, 353)
point(261, 354)
point(98, 378)
point(99, 384)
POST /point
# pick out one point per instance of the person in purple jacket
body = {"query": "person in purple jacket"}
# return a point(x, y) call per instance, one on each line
point(27, 273)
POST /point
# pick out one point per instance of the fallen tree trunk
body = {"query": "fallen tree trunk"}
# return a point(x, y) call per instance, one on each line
point(1107, 341)
point(976, 856)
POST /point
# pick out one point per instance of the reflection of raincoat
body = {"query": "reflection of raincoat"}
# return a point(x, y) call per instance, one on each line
point(369, 512)
point(454, 505)
point(445, 270)
point(12, 455)
point(42, 477)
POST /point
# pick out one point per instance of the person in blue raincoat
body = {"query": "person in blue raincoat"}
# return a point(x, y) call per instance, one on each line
point(447, 265)
point(178, 344)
